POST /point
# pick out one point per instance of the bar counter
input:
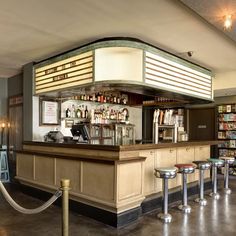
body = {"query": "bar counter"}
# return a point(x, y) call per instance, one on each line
point(113, 184)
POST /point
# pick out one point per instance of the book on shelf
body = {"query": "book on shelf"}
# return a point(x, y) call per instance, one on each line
point(228, 108)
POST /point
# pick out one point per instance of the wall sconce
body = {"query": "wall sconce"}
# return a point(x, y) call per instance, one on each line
point(4, 125)
point(228, 21)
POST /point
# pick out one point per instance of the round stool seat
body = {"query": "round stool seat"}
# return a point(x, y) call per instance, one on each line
point(228, 160)
point(202, 165)
point(216, 162)
point(185, 168)
point(166, 172)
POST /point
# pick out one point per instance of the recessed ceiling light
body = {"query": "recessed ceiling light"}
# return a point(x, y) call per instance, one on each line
point(228, 22)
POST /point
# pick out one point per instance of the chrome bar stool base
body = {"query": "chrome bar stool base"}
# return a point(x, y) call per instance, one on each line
point(165, 174)
point(227, 191)
point(184, 170)
point(228, 161)
point(215, 163)
point(166, 218)
point(185, 209)
point(201, 201)
point(202, 166)
point(215, 196)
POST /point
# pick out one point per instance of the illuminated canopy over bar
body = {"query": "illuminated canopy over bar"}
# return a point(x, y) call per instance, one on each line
point(123, 62)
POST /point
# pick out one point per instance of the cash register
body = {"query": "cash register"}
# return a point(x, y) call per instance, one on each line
point(80, 133)
point(54, 136)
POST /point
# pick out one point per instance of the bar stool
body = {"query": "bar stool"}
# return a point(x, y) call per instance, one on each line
point(214, 164)
point(165, 174)
point(228, 161)
point(185, 169)
point(202, 166)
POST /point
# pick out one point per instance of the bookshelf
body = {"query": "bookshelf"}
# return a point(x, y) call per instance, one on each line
point(226, 122)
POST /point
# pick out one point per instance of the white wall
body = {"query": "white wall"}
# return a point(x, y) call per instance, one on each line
point(225, 80)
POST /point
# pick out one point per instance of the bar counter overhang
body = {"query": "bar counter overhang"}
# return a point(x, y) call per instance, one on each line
point(113, 184)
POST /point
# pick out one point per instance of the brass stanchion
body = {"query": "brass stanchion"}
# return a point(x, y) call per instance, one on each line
point(65, 187)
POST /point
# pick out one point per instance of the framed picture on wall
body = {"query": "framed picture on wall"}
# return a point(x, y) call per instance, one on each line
point(49, 112)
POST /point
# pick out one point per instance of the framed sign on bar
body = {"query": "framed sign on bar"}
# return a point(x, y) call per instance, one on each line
point(49, 112)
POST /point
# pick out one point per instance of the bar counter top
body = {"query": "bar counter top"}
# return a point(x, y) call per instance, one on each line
point(124, 147)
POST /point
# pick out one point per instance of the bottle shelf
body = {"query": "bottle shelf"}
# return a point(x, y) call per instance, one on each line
point(73, 118)
point(121, 103)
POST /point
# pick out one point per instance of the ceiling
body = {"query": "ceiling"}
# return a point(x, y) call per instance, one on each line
point(33, 30)
point(214, 11)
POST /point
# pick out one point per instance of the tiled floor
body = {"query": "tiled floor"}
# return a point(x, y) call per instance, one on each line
point(217, 218)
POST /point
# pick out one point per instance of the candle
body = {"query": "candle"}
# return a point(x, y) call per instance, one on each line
point(3, 125)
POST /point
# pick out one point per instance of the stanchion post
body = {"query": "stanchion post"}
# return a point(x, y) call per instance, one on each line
point(65, 187)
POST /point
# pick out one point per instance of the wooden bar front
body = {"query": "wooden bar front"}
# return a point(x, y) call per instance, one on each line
point(113, 178)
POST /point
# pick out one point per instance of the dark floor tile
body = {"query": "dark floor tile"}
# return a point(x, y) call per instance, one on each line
point(217, 218)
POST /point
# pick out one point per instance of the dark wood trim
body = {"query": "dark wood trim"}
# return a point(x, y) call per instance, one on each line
point(104, 160)
point(117, 148)
point(168, 145)
point(80, 146)
point(131, 159)
point(79, 157)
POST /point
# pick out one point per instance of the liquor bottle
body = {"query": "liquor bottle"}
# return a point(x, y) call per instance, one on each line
point(68, 113)
point(119, 116)
point(94, 97)
point(118, 99)
point(79, 112)
point(111, 115)
point(108, 113)
point(86, 112)
point(73, 111)
point(114, 99)
point(124, 101)
point(111, 99)
point(126, 115)
point(101, 98)
point(83, 112)
point(98, 98)
point(108, 99)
